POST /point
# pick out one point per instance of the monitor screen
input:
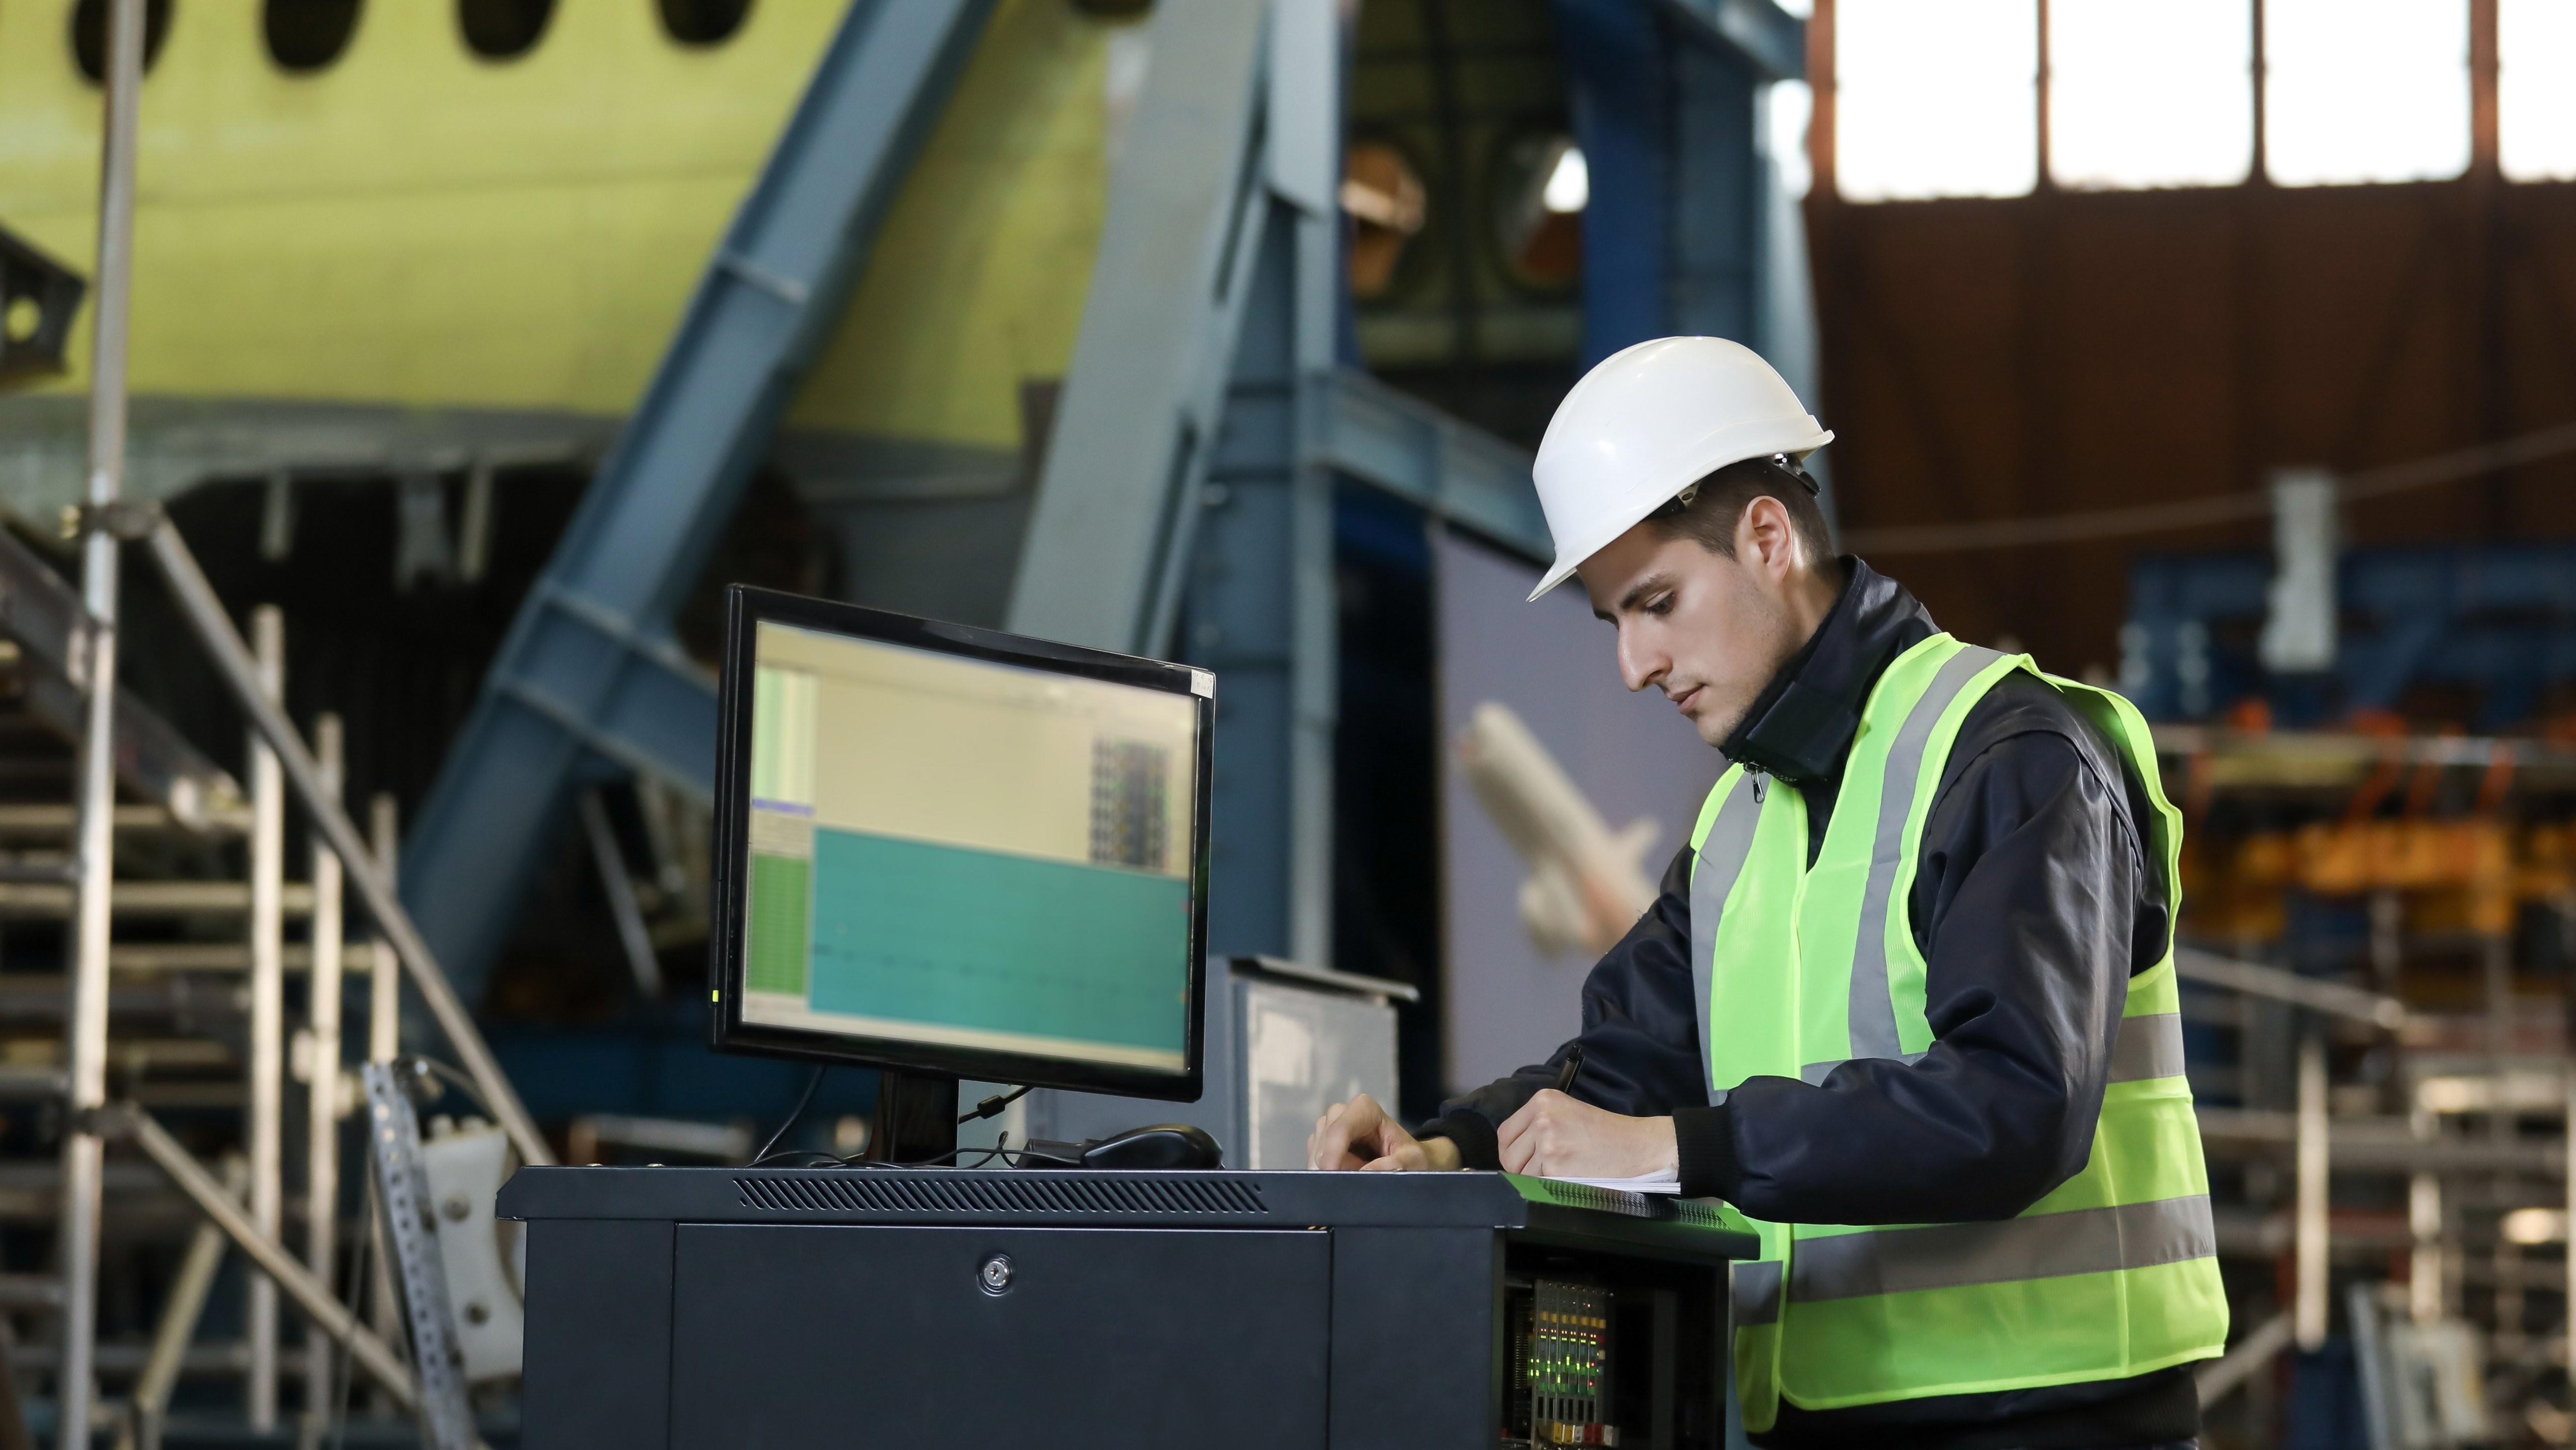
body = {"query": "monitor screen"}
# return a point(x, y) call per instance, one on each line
point(954, 850)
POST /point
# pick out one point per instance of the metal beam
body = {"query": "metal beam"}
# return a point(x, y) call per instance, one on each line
point(2254, 979)
point(1767, 37)
point(310, 1294)
point(1140, 413)
point(56, 636)
point(589, 668)
point(1364, 430)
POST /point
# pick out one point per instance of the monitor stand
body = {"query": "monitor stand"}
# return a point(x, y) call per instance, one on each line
point(916, 1118)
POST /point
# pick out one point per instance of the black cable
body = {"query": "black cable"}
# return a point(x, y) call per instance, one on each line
point(802, 1103)
point(458, 1080)
point(347, 1365)
point(994, 1104)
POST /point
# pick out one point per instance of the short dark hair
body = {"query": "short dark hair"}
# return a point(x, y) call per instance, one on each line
point(1708, 511)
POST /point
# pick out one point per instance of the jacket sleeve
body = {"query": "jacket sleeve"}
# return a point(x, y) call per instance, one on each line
point(2027, 901)
point(1640, 1049)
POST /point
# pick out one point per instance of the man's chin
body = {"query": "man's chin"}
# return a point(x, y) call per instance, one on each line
point(1714, 728)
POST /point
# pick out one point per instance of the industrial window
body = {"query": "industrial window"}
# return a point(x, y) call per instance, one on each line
point(1936, 100)
point(1541, 186)
point(1786, 109)
point(2536, 89)
point(89, 36)
point(1384, 196)
point(306, 35)
point(500, 29)
point(703, 22)
point(2365, 90)
point(2150, 95)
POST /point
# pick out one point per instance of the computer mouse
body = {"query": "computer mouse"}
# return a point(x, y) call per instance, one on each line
point(1165, 1145)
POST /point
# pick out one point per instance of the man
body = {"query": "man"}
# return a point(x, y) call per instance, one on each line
point(1906, 999)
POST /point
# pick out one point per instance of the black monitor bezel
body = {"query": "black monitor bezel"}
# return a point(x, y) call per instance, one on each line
point(746, 607)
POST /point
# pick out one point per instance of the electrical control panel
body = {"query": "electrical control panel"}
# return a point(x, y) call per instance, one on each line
point(1599, 1350)
point(1560, 1336)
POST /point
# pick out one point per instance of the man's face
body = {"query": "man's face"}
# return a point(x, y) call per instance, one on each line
point(1693, 623)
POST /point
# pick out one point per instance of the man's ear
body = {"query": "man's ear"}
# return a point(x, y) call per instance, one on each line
point(1765, 539)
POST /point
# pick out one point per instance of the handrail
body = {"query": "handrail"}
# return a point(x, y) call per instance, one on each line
point(2255, 980)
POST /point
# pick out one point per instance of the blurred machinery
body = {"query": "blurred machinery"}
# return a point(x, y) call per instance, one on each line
point(1587, 885)
point(2386, 1096)
point(38, 299)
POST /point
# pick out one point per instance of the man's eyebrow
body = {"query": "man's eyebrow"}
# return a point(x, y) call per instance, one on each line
point(1651, 584)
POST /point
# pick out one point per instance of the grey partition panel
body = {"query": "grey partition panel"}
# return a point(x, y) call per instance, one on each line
point(841, 1336)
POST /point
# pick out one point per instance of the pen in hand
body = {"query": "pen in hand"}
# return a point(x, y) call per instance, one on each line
point(1565, 1074)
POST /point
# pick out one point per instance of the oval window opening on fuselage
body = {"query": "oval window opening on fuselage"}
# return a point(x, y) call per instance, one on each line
point(503, 29)
point(306, 35)
point(89, 36)
point(702, 22)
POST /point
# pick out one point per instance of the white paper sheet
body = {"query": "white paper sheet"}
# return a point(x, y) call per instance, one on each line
point(1643, 1183)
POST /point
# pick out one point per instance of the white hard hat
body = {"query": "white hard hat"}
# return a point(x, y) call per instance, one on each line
point(1650, 421)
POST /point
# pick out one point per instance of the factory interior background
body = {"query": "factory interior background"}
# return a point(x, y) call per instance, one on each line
point(2222, 352)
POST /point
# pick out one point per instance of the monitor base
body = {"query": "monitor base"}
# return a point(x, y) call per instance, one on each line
point(916, 1119)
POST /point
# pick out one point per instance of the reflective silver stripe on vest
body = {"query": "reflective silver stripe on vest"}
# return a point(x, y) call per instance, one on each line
point(1754, 1288)
point(2045, 1246)
point(2150, 1045)
point(1873, 1015)
point(1722, 853)
point(1815, 1073)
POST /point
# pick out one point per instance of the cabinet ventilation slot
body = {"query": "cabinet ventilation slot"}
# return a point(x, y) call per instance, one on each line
point(863, 1191)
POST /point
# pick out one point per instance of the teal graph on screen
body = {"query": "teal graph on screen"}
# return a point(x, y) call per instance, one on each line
point(918, 932)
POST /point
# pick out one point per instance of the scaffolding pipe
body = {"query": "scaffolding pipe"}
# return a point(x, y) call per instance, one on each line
point(384, 1043)
point(181, 1308)
point(618, 884)
point(310, 1294)
point(2310, 1304)
point(267, 1017)
point(205, 613)
point(322, 1095)
point(86, 1051)
point(384, 970)
point(2425, 1267)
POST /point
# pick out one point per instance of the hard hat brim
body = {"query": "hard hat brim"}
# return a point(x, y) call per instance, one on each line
point(1570, 555)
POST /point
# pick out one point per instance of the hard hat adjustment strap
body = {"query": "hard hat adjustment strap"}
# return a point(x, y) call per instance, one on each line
point(1674, 506)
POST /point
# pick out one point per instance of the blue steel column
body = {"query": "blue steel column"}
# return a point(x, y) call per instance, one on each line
point(1240, 616)
point(1618, 81)
point(1307, 51)
point(1718, 187)
point(1260, 604)
point(1665, 96)
point(588, 667)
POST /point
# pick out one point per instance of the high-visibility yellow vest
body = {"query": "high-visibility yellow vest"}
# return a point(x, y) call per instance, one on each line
point(1800, 968)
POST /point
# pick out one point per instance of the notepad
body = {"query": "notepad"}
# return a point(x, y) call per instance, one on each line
point(1669, 1182)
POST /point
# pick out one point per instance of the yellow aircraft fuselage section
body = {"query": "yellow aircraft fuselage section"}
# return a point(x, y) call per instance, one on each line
point(414, 230)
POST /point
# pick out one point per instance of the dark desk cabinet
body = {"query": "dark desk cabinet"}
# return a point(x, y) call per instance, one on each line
point(729, 1309)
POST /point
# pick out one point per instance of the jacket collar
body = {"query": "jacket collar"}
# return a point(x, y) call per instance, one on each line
point(1802, 724)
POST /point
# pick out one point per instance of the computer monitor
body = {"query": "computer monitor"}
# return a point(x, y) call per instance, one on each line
point(958, 852)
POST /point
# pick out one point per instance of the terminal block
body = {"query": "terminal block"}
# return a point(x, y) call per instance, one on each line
point(1560, 1331)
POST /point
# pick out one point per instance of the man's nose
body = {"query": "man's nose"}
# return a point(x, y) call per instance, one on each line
point(1640, 663)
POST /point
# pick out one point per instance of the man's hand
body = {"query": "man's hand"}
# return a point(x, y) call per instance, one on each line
point(1555, 1135)
point(1359, 1134)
